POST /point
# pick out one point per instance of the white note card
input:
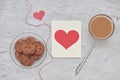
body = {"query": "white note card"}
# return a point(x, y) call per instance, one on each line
point(66, 39)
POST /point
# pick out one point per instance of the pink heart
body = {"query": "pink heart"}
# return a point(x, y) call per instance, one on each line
point(39, 15)
point(66, 39)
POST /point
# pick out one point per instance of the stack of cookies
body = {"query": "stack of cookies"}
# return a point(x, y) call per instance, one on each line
point(28, 50)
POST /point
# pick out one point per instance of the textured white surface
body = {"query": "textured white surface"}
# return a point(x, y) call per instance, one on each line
point(103, 63)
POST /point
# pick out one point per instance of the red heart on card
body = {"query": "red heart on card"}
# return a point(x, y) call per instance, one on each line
point(39, 15)
point(66, 39)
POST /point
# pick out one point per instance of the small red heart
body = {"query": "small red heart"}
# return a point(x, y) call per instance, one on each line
point(39, 15)
point(66, 39)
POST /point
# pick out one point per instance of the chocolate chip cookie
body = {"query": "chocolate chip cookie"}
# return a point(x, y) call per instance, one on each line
point(28, 50)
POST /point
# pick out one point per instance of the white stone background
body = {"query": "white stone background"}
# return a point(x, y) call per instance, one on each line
point(103, 63)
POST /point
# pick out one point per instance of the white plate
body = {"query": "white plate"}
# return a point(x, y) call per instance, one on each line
point(23, 36)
